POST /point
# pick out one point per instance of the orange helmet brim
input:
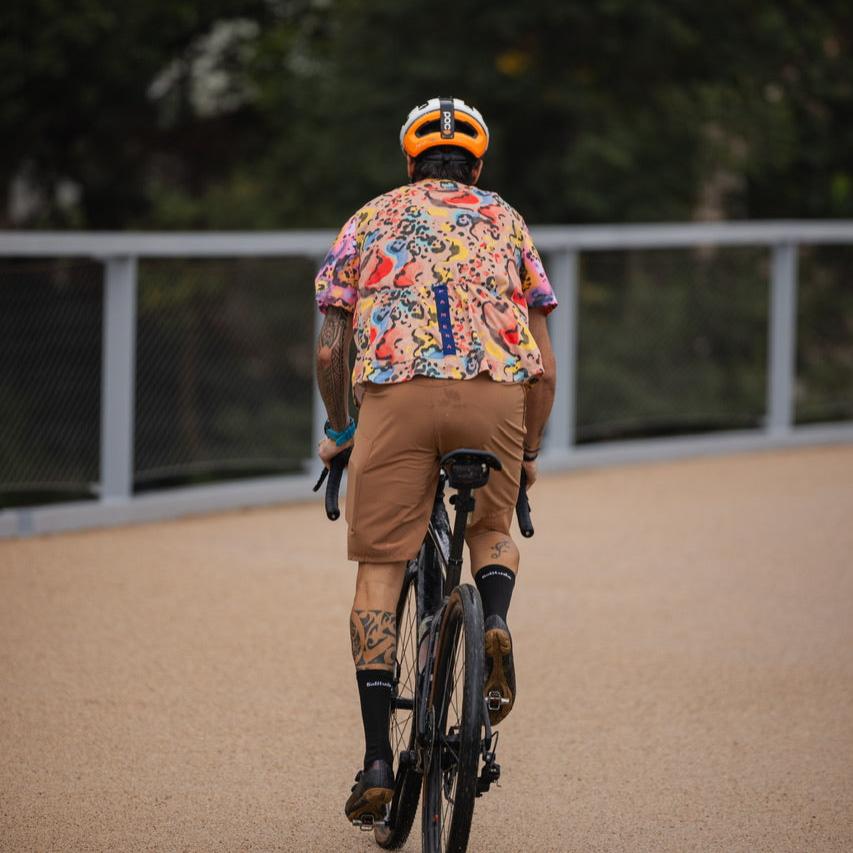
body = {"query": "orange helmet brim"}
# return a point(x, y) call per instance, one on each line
point(415, 144)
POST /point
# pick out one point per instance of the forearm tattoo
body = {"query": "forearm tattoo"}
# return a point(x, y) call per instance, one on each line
point(333, 366)
point(373, 634)
point(499, 547)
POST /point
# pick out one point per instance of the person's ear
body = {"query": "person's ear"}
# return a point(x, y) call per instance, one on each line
point(475, 172)
point(410, 166)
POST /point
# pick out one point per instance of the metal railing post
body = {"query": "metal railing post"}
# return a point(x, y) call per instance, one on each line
point(562, 325)
point(318, 409)
point(782, 340)
point(118, 378)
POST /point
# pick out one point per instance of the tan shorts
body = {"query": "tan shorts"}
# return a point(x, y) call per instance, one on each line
point(403, 430)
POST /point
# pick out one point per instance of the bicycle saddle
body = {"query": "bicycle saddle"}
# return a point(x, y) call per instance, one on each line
point(469, 468)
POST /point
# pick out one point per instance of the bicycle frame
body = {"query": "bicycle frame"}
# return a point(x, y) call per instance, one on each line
point(449, 549)
point(433, 591)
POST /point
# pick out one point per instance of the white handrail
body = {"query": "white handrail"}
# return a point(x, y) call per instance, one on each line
point(671, 236)
point(169, 244)
point(561, 246)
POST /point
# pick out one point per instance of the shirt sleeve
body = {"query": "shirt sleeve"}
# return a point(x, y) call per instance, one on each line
point(336, 284)
point(534, 281)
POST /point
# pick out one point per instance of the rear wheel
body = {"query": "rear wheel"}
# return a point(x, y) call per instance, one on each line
point(450, 785)
point(407, 785)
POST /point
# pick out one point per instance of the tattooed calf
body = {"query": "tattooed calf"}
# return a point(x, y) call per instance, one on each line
point(354, 638)
point(499, 547)
point(373, 634)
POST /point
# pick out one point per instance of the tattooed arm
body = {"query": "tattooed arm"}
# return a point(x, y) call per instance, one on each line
point(333, 376)
point(333, 365)
point(540, 397)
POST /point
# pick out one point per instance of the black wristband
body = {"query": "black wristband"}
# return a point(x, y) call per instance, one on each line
point(530, 455)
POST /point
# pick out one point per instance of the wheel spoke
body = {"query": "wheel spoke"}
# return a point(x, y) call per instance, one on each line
point(401, 719)
point(400, 731)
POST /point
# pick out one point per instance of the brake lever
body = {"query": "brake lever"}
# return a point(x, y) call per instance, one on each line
point(319, 483)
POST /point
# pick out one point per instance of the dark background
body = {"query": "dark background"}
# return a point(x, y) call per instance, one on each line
point(280, 113)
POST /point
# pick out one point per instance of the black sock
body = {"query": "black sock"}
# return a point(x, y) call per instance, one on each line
point(495, 584)
point(374, 690)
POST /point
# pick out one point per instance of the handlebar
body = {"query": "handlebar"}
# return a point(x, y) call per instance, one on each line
point(522, 508)
point(336, 470)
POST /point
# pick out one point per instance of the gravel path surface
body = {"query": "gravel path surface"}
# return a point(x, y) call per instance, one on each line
point(684, 637)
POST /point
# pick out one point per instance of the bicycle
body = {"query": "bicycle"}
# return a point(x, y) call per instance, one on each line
point(440, 729)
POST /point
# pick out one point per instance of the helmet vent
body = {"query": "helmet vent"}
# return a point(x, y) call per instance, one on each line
point(443, 122)
point(435, 127)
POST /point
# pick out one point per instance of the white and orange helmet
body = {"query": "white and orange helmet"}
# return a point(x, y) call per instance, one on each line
point(444, 121)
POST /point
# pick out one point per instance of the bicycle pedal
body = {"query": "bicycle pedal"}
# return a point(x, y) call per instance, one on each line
point(367, 823)
point(494, 701)
point(490, 775)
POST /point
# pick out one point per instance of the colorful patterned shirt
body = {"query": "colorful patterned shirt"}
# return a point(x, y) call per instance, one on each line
point(439, 277)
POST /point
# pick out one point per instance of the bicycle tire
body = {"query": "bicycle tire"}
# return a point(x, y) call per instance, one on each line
point(420, 596)
point(403, 729)
point(450, 780)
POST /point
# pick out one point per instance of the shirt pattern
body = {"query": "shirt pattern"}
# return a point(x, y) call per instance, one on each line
point(439, 277)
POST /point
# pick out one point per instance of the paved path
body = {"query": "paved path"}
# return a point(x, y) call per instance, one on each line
point(684, 641)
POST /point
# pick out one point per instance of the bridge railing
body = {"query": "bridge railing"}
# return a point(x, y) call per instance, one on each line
point(565, 249)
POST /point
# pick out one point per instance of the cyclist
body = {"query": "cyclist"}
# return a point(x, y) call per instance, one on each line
point(440, 285)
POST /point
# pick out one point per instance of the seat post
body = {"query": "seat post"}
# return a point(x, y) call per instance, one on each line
point(466, 470)
point(463, 502)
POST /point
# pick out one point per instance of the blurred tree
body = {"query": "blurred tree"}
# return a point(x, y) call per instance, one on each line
point(81, 141)
point(273, 113)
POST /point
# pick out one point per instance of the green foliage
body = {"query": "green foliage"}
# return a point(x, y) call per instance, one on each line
point(50, 350)
point(75, 104)
point(603, 111)
point(825, 334)
point(671, 341)
point(224, 370)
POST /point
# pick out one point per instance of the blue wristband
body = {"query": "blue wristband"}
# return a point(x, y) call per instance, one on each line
point(341, 437)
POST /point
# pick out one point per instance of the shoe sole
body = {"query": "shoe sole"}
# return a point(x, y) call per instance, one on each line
point(373, 802)
point(498, 646)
